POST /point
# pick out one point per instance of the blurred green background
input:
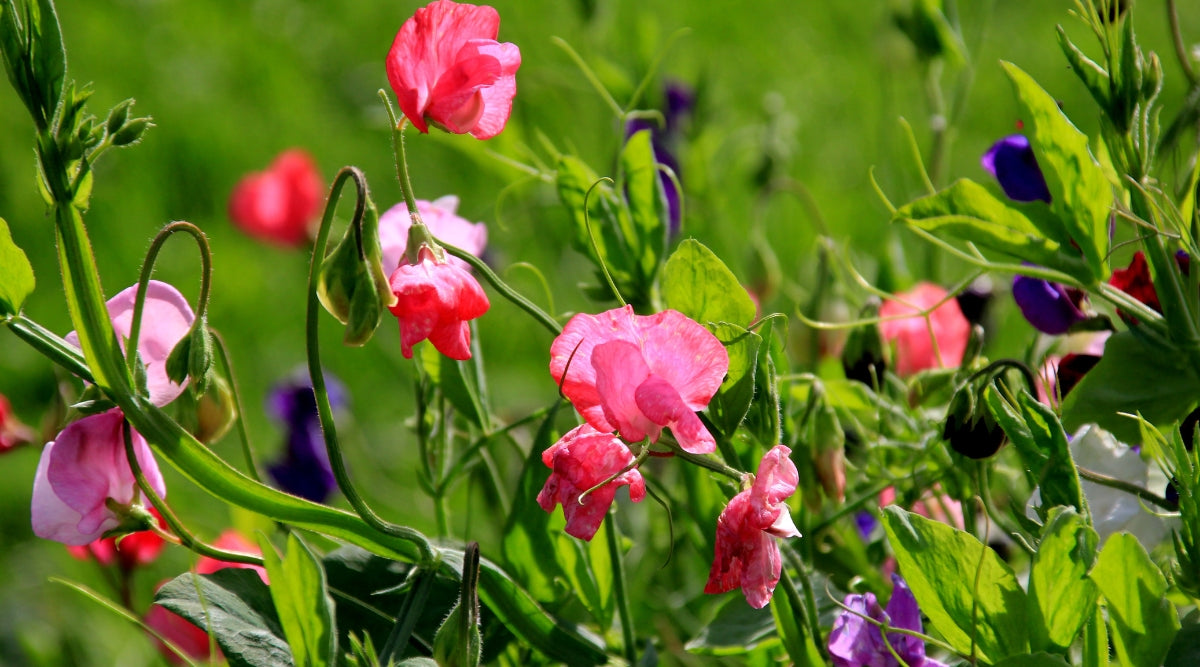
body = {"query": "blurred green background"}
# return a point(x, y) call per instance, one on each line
point(817, 88)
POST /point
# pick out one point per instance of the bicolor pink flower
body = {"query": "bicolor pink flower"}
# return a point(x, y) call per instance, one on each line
point(747, 555)
point(637, 375)
point(439, 216)
point(921, 343)
point(580, 460)
point(447, 69)
point(435, 300)
point(83, 474)
point(166, 319)
point(279, 205)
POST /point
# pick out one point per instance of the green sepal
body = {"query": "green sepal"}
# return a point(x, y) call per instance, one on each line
point(192, 357)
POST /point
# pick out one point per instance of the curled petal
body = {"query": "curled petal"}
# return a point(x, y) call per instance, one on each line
point(580, 460)
point(661, 404)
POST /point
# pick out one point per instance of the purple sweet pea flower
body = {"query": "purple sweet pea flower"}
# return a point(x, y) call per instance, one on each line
point(679, 101)
point(1050, 307)
point(855, 642)
point(1012, 162)
point(304, 470)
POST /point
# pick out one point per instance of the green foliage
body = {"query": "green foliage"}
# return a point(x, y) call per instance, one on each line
point(736, 628)
point(16, 275)
point(1042, 444)
point(698, 284)
point(1144, 622)
point(646, 202)
point(1061, 596)
point(302, 602)
point(34, 57)
point(729, 406)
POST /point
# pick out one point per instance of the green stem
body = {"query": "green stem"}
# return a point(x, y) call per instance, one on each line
point(810, 599)
point(398, 150)
point(243, 435)
point(507, 292)
point(1122, 485)
point(706, 462)
point(410, 611)
point(620, 587)
point(50, 345)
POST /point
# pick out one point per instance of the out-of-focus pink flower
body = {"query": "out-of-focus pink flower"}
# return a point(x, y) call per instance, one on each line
point(915, 346)
point(435, 300)
point(280, 204)
point(182, 633)
point(747, 555)
point(81, 473)
point(166, 319)
point(231, 540)
point(933, 504)
point(130, 552)
point(448, 69)
point(637, 374)
point(12, 431)
point(439, 216)
point(581, 459)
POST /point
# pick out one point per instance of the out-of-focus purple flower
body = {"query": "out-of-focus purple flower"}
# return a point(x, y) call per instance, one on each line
point(1050, 307)
point(304, 469)
point(866, 522)
point(854, 641)
point(1012, 162)
point(679, 102)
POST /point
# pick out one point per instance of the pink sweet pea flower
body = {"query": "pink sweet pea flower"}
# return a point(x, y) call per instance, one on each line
point(637, 375)
point(747, 555)
point(434, 300)
point(81, 473)
point(438, 215)
point(915, 348)
point(280, 204)
point(581, 459)
point(447, 68)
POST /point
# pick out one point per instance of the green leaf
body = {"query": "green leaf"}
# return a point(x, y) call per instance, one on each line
point(1033, 660)
point(764, 420)
point(735, 629)
point(698, 284)
point(1144, 622)
point(16, 274)
point(971, 597)
point(789, 624)
point(49, 56)
point(235, 607)
point(1061, 597)
point(304, 607)
point(647, 202)
point(729, 406)
point(1058, 478)
point(1093, 76)
point(574, 179)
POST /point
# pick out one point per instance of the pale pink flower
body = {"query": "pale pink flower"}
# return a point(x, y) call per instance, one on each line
point(281, 203)
point(637, 374)
point(435, 300)
point(439, 216)
point(914, 345)
point(580, 460)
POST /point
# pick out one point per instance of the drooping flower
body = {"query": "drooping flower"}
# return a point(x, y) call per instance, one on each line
point(435, 300)
point(447, 69)
point(1051, 308)
point(1012, 162)
point(580, 460)
point(129, 552)
point(637, 375)
point(937, 342)
point(746, 554)
point(12, 431)
point(279, 205)
point(304, 469)
point(84, 483)
point(439, 216)
point(855, 642)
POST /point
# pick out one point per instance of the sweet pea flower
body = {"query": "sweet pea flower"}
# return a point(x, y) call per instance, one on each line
point(231, 540)
point(922, 344)
point(280, 204)
point(580, 460)
point(1051, 308)
point(447, 69)
point(1135, 281)
point(434, 300)
point(439, 216)
point(855, 642)
point(83, 480)
point(1012, 162)
point(747, 555)
point(129, 552)
point(304, 470)
point(637, 375)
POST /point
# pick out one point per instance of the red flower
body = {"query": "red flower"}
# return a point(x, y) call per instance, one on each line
point(747, 555)
point(448, 69)
point(278, 205)
point(132, 551)
point(1135, 281)
point(915, 346)
point(581, 459)
point(232, 541)
point(434, 300)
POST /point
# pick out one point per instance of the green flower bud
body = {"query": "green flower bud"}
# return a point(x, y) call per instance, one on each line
point(117, 116)
point(458, 643)
point(351, 284)
point(132, 131)
point(192, 357)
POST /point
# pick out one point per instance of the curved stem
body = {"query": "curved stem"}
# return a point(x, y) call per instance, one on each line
point(406, 188)
point(706, 462)
point(507, 292)
point(620, 587)
point(1185, 61)
point(243, 435)
point(1122, 485)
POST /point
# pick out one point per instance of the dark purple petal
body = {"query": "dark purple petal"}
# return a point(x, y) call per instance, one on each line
point(866, 523)
point(1048, 306)
point(680, 100)
point(905, 614)
point(304, 468)
point(1012, 162)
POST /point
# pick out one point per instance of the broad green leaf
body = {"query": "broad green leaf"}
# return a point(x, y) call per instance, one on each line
point(1058, 479)
point(1061, 597)
point(1033, 660)
point(235, 607)
point(728, 407)
point(698, 284)
point(736, 629)
point(971, 597)
point(1144, 622)
point(16, 274)
point(647, 202)
point(577, 564)
point(303, 605)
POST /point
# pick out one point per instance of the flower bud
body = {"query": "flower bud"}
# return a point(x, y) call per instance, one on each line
point(458, 643)
point(352, 285)
point(970, 428)
point(192, 357)
point(131, 132)
point(117, 116)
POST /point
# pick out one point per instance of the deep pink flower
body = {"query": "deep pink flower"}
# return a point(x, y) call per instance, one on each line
point(915, 349)
point(280, 204)
point(434, 300)
point(747, 555)
point(637, 374)
point(448, 69)
point(166, 319)
point(438, 215)
point(581, 459)
point(130, 552)
point(81, 472)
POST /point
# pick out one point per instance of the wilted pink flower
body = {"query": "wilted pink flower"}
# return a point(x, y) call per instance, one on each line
point(434, 300)
point(747, 555)
point(581, 459)
point(130, 552)
point(438, 215)
point(915, 349)
point(637, 374)
point(84, 471)
point(279, 204)
point(448, 69)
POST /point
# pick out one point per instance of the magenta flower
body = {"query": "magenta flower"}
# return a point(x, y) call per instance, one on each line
point(83, 480)
point(854, 641)
point(447, 69)
point(438, 215)
point(914, 337)
point(280, 204)
point(581, 459)
point(747, 555)
point(434, 300)
point(637, 375)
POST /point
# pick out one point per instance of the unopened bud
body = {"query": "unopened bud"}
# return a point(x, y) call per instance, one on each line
point(864, 357)
point(970, 428)
point(117, 116)
point(458, 643)
point(352, 285)
point(132, 132)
